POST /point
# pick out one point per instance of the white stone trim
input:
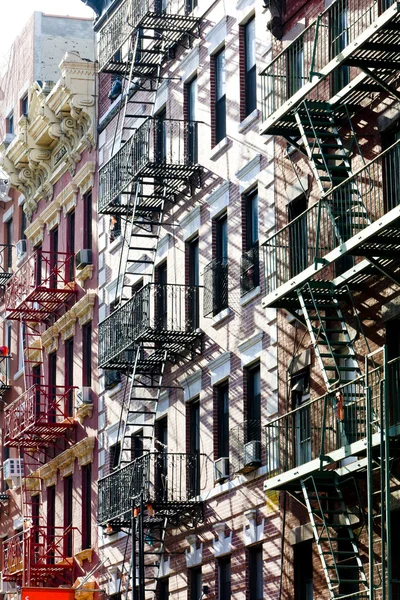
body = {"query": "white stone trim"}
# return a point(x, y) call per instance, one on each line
point(163, 404)
point(216, 37)
point(220, 368)
point(252, 532)
point(222, 544)
point(248, 175)
point(162, 249)
point(251, 349)
point(190, 64)
point(190, 223)
point(8, 214)
point(250, 296)
point(194, 556)
point(218, 200)
point(161, 97)
point(191, 385)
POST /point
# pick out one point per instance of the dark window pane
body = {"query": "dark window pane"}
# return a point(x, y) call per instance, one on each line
point(250, 66)
point(220, 96)
point(256, 572)
point(223, 420)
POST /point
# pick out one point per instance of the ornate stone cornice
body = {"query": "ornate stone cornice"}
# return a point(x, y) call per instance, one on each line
point(84, 178)
point(34, 232)
point(84, 308)
point(66, 463)
point(83, 274)
point(84, 451)
point(68, 197)
point(66, 324)
point(59, 127)
point(49, 473)
point(83, 411)
point(51, 215)
point(50, 339)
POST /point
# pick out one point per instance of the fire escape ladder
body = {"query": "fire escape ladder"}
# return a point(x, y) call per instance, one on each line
point(334, 532)
point(139, 407)
point(31, 338)
point(329, 334)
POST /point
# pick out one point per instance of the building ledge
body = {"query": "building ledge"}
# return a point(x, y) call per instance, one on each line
point(221, 316)
point(250, 295)
point(249, 120)
point(220, 148)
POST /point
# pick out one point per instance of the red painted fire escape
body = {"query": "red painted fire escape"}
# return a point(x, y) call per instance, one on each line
point(41, 553)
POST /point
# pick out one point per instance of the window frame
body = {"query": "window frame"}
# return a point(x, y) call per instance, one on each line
point(250, 67)
point(220, 95)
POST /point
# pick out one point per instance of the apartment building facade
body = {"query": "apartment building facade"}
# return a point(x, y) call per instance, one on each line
point(49, 312)
point(187, 356)
point(330, 99)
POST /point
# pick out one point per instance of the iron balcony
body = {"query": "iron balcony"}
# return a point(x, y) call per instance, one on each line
point(250, 270)
point(161, 479)
point(40, 286)
point(327, 56)
point(366, 223)
point(245, 442)
point(39, 417)
point(159, 315)
point(320, 431)
point(215, 287)
point(160, 153)
point(138, 16)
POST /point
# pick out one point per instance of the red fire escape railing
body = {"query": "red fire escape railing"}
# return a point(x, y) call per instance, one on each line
point(39, 416)
point(38, 554)
point(38, 288)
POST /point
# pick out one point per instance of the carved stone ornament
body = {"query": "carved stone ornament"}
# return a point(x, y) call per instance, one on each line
point(66, 324)
point(49, 473)
point(50, 339)
point(59, 127)
point(84, 308)
point(68, 197)
point(83, 411)
point(83, 274)
point(51, 215)
point(34, 231)
point(66, 463)
point(84, 178)
point(84, 451)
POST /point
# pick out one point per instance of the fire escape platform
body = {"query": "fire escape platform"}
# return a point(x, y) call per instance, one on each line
point(380, 239)
point(40, 304)
point(383, 42)
point(40, 435)
point(290, 479)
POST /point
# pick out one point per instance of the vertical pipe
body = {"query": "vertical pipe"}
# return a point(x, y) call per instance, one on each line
point(133, 574)
point(387, 476)
point(369, 484)
point(382, 478)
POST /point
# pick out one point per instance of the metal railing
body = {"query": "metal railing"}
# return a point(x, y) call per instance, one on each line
point(160, 477)
point(320, 426)
point(38, 411)
point(215, 287)
point(250, 269)
point(37, 548)
point(302, 60)
point(159, 148)
point(132, 14)
point(155, 309)
point(43, 277)
point(342, 213)
point(245, 443)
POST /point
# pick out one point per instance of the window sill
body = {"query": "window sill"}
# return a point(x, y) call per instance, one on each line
point(249, 120)
point(18, 374)
point(249, 296)
point(115, 244)
point(221, 316)
point(219, 148)
point(21, 259)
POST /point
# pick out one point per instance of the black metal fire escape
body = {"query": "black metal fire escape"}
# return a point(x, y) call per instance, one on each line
point(345, 61)
point(153, 326)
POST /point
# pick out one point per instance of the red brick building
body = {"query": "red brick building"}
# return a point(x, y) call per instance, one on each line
point(330, 99)
point(49, 310)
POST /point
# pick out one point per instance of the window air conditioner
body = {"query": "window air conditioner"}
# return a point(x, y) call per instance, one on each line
point(21, 248)
point(83, 395)
point(83, 258)
point(13, 468)
point(252, 454)
point(221, 469)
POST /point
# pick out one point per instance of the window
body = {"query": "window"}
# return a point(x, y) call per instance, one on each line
point(250, 75)
point(38, 266)
point(87, 354)
point(161, 297)
point(195, 583)
point(86, 506)
point(163, 589)
point(192, 249)
point(68, 500)
point(9, 226)
point(8, 344)
point(87, 221)
point(137, 445)
point(52, 379)
point(194, 448)
point(250, 266)
point(298, 241)
point(10, 123)
point(24, 106)
point(256, 581)
point(71, 243)
point(338, 28)
point(21, 335)
point(220, 97)
point(51, 520)
point(53, 257)
point(69, 374)
point(161, 136)
point(295, 67)
point(115, 451)
point(191, 5)
point(161, 461)
point(303, 571)
point(224, 578)
point(253, 404)
point(192, 140)
point(300, 394)
point(222, 392)
point(221, 274)
point(23, 224)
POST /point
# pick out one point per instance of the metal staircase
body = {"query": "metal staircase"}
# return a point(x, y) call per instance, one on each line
point(320, 304)
point(334, 532)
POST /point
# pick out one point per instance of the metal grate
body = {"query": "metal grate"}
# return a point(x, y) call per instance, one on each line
point(245, 442)
point(160, 148)
point(250, 270)
point(215, 287)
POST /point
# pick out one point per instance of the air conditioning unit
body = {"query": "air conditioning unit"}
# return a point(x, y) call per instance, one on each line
point(83, 395)
point(5, 586)
point(252, 454)
point(21, 248)
point(221, 469)
point(13, 470)
point(83, 258)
